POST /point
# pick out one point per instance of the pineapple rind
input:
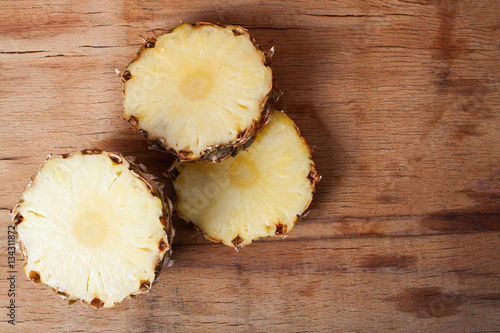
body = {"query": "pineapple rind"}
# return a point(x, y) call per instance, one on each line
point(217, 150)
point(231, 209)
point(27, 209)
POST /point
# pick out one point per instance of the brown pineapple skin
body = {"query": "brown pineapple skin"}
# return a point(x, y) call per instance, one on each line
point(220, 152)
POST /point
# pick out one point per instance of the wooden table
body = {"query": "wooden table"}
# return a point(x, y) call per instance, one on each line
point(401, 100)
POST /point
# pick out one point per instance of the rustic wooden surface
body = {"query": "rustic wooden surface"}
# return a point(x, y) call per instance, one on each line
point(401, 100)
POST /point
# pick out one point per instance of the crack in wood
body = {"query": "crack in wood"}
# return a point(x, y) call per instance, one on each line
point(273, 28)
point(22, 52)
point(99, 46)
point(360, 15)
point(64, 55)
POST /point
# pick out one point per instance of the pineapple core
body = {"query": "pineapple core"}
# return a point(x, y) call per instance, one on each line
point(91, 228)
point(196, 86)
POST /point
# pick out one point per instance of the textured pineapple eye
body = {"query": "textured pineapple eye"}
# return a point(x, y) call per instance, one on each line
point(94, 227)
point(259, 193)
point(199, 91)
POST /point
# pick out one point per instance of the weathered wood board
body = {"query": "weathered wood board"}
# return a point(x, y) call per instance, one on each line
point(401, 100)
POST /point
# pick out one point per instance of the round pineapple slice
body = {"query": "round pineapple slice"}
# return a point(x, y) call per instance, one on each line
point(199, 91)
point(94, 227)
point(259, 193)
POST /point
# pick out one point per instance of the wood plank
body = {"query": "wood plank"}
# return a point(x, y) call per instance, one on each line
point(401, 100)
point(444, 281)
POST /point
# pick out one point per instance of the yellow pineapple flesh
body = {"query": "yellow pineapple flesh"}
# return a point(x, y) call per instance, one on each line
point(94, 227)
point(199, 91)
point(259, 193)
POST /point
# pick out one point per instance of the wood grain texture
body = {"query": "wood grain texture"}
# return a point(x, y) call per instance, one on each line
point(401, 100)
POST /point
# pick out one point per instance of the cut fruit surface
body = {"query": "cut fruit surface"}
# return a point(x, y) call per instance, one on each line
point(94, 227)
point(259, 193)
point(199, 91)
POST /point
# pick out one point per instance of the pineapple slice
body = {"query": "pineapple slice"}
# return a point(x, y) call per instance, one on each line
point(199, 91)
point(259, 193)
point(94, 227)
